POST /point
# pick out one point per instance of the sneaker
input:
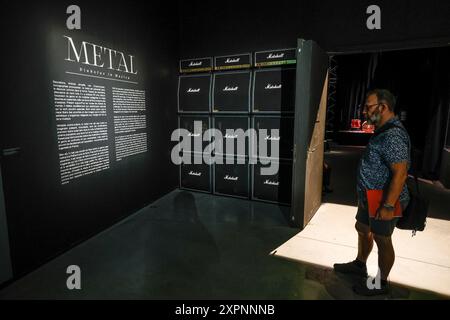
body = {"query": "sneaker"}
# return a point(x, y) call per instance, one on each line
point(351, 267)
point(363, 290)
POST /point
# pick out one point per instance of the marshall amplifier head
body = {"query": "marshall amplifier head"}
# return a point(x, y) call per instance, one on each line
point(195, 176)
point(194, 93)
point(232, 179)
point(233, 129)
point(239, 61)
point(274, 90)
point(196, 127)
point(196, 65)
point(231, 92)
point(275, 187)
point(272, 58)
point(284, 138)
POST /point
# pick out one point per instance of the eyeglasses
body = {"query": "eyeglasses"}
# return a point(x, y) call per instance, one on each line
point(367, 107)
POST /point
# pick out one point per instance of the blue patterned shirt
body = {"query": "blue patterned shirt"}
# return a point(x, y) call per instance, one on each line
point(389, 147)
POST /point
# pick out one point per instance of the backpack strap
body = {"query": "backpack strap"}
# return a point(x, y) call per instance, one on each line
point(389, 126)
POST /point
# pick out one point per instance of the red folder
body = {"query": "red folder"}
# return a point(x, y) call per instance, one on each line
point(375, 200)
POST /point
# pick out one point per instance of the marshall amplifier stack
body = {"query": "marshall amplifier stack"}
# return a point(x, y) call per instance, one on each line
point(273, 108)
point(194, 105)
point(233, 94)
point(231, 109)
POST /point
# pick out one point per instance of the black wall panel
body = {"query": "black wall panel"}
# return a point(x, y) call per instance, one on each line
point(44, 217)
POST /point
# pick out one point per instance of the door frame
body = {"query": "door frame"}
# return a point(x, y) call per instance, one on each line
point(309, 131)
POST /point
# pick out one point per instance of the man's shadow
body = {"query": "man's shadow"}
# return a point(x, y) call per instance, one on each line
point(339, 285)
point(183, 253)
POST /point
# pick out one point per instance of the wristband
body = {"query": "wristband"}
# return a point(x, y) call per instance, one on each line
point(388, 206)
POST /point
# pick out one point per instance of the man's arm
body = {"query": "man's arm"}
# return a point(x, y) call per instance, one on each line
point(399, 176)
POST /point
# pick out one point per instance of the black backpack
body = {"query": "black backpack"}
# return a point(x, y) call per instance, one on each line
point(415, 214)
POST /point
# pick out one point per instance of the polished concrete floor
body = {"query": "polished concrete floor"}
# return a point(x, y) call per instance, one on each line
point(198, 246)
point(184, 246)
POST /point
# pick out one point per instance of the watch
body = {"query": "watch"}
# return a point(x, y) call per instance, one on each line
point(388, 206)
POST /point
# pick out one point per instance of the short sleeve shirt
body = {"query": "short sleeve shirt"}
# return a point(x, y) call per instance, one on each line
point(383, 150)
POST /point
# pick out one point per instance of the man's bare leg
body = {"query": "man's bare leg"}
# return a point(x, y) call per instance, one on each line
point(386, 255)
point(365, 241)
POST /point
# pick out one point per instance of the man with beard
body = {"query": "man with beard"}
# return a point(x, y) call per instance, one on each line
point(384, 166)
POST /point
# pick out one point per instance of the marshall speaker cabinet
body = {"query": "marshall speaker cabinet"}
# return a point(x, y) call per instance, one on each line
point(231, 92)
point(233, 129)
point(285, 126)
point(196, 175)
point(194, 93)
point(274, 90)
point(274, 187)
point(232, 179)
point(188, 122)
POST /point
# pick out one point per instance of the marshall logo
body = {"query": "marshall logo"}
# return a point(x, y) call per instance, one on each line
point(275, 56)
point(196, 174)
point(94, 55)
point(273, 86)
point(230, 136)
point(231, 178)
point(231, 60)
point(195, 64)
point(193, 134)
point(272, 138)
point(227, 88)
point(190, 90)
point(271, 183)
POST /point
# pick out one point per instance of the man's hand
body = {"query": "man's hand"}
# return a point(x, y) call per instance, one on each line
point(384, 214)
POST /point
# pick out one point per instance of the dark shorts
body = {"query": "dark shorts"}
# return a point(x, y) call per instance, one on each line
point(378, 227)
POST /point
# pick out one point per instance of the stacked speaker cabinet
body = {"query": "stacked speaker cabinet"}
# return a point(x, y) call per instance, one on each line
point(232, 177)
point(194, 107)
point(233, 99)
point(231, 104)
point(231, 92)
point(274, 90)
point(273, 107)
point(275, 183)
point(195, 174)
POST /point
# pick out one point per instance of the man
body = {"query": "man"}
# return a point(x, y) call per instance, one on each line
point(384, 166)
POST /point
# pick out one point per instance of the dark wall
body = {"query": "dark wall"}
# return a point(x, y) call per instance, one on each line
point(341, 25)
point(209, 29)
point(45, 218)
point(242, 26)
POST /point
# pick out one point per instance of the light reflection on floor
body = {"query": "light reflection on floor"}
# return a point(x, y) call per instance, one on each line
point(422, 262)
